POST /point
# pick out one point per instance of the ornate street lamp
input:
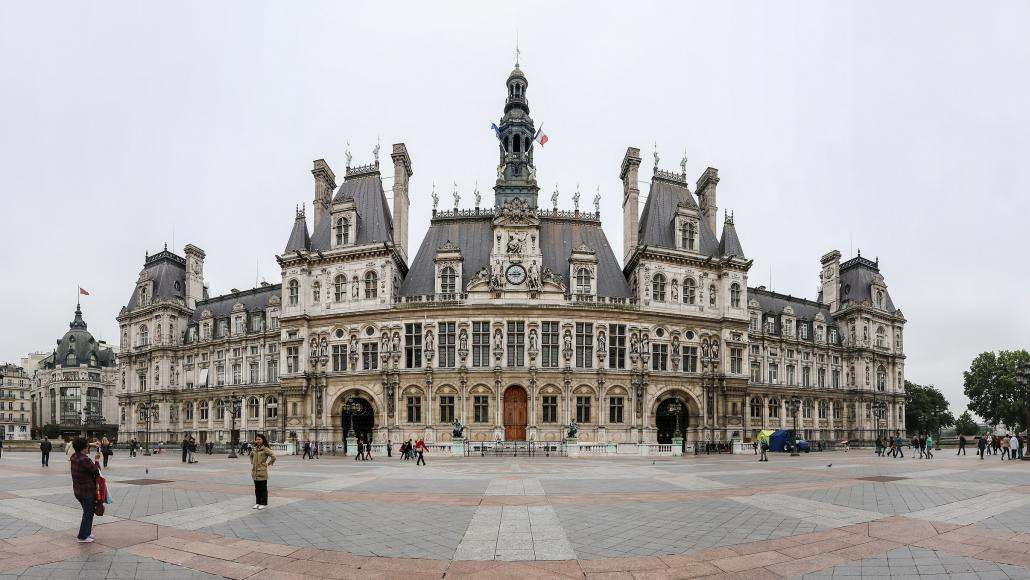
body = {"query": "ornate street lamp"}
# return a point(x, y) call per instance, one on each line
point(878, 408)
point(351, 408)
point(795, 408)
point(235, 403)
point(147, 409)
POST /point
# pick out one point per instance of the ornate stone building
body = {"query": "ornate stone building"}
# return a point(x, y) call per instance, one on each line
point(74, 386)
point(515, 319)
point(15, 413)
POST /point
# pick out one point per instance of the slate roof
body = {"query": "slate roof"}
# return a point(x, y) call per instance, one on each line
point(473, 236)
point(856, 276)
point(166, 269)
point(253, 300)
point(729, 245)
point(299, 238)
point(80, 343)
point(658, 220)
point(774, 303)
point(375, 222)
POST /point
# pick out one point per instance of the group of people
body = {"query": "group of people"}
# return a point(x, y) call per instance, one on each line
point(189, 450)
point(1007, 446)
point(416, 450)
point(364, 450)
point(888, 446)
point(311, 450)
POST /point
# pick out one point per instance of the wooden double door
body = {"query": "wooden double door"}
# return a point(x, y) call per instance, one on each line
point(516, 414)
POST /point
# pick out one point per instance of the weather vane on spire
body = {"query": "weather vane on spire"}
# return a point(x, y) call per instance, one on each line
point(518, 52)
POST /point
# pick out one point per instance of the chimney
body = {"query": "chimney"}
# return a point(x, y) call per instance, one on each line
point(706, 196)
point(630, 202)
point(829, 279)
point(401, 173)
point(194, 275)
point(325, 183)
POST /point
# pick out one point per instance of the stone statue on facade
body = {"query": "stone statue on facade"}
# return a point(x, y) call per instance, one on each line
point(429, 341)
point(532, 173)
point(498, 344)
point(477, 194)
point(463, 340)
point(554, 197)
point(385, 343)
point(375, 152)
point(634, 344)
point(534, 276)
point(457, 429)
point(347, 154)
point(575, 198)
point(457, 196)
point(497, 276)
point(597, 201)
point(396, 343)
point(602, 342)
point(436, 198)
point(656, 158)
point(532, 340)
point(683, 163)
point(571, 430)
point(500, 172)
point(675, 347)
point(645, 343)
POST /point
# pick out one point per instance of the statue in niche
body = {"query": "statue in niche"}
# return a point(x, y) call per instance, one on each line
point(429, 340)
point(385, 343)
point(498, 343)
point(645, 343)
point(532, 340)
point(396, 343)
point(497, 276)
point(634, 344)
point(534, 276)
point(568, 340)
point(602, 342)
point(463, 340)
point(675, 347)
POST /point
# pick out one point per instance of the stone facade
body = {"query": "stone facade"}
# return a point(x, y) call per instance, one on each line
point(514, 319)
point(15, 412)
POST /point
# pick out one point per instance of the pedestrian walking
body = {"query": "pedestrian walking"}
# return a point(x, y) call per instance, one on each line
point(84, 485)
point(307, 450)
point(981, 446)
point(2, 445)
point(421, 448)
point(185, 449)
point(755, 445)
point(928, 442)
point(368, 450)
point(360, 452)
point(191, 451)
point(1004, 448)
point(898, 441)
point(764, 445)
point(961, 445)
point(1015, 450)
point(44, 449)
point(105, 449)
point(260, 460)
point(314, 448)
point(389, 448)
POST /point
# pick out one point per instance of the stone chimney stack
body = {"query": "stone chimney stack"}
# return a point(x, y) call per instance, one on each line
point(706, 197)
point(325, 184)
point(630, 202)
point(194, 275)
point(829, 279)
point(401, 174)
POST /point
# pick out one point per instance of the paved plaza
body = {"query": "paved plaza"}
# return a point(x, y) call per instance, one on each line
point(824, 515)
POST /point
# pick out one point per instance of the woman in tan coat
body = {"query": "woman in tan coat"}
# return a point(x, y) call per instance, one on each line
point(260, 460)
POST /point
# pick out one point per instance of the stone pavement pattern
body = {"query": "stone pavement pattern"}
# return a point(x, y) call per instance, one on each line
point(692, 517)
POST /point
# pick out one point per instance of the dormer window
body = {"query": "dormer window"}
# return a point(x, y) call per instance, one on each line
point(688, 235)
point(770, 325)
point(448, 281)
point(342, 232)
point(584, 281)
point(879, 299)
point(142, 296)
point(658, 287)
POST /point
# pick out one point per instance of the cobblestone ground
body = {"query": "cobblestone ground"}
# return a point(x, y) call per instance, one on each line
point(824, 515)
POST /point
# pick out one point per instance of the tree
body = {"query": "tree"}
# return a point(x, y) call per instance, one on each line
point(993, 391)
point(965, 425)
point(926, 409)
point(51, 430)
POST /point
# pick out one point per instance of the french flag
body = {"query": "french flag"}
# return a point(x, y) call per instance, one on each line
point(541, 137)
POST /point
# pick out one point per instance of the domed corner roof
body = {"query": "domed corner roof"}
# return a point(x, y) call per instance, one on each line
point(79, 342)
point(516, 73)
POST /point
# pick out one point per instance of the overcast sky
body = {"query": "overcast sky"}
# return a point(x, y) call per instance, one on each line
point(898, 128)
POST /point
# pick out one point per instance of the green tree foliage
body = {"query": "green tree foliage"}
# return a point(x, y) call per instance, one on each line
point(965, 425)
point(926, 409)
point(52, 430)
point(993, 391)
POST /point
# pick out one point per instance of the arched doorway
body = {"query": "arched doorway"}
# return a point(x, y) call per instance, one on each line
point(362, 421)
point(665, 420)
point(516, 414)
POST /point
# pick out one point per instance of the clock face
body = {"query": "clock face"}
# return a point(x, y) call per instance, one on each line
point(515, 274)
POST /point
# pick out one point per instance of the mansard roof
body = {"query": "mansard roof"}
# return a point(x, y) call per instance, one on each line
point(299, 238)
point(658, 220)
point(375, 222)
point(253, 300)
point(78, 347)
point(729, 245)
point(168, 272)
point(559, 236)
point(857, 276)
point(773, 303)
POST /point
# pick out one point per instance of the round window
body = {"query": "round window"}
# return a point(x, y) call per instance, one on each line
point(690, 335)
point(660, 332)
point(339, 333)
point(370, 331)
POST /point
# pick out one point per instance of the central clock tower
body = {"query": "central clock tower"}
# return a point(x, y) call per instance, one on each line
point(516, 173)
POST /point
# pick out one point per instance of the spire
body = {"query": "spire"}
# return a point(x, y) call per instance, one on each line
point(78, 322)
point(516, 173)
point(729, 244)
point(299, 238)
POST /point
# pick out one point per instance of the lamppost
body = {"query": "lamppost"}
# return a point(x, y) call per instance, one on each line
point(235, 403)
point(675, 408)
point(350, 408)
point(709, 367)
point(795, 408)
point(1023, 380)
point(147, 409)
point(878, 408)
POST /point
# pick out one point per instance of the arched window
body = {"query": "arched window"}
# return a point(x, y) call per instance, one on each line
point(253, 408)
point(735, 295)
point(658, 287)
point(689, 291)
point(583, 281)
point(711, 295)
point(879, 299)
point(518, 144)
point(447, 280)
point(272, 408)
point(342, 231)
point(687, 235)
point(339, 287)
point(881, 337)
point(371, 285)
point(144, 335)
point(881, 379)
point(756, 408)
point(293, 298)
point(316, 292)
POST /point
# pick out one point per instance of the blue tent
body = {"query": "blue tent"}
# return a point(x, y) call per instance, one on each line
point(779, 440)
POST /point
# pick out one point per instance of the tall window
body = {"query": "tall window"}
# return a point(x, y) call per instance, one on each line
point(446, 338)
point(448, 281)
point(756, 408)
point(370, 356)
point(413, 345)
point(774, 372)
point(689, 291)
point(339, 288)
point(271, 408)
point(881, 337)
point(803, 331)
point(371, 285)
point(690, 359)
point(293, 295)
point(550, 408)
point(616, 405)
point(204, 410)
point(339, 357)
point(658, 287)
point(583, 408)
point(292, 359)
point(415, 409)
point(617, 346)
point(187, 411)
point(837, 410)
point(583, 281)
point(806, 377)
point(253, 408)
point(774, 408)
point(881, 379)
point(790, 375)
point(836, 378)
point(254, 373)
point(316, 293)
point(481, 408)
point(237, 374)
point(659, 357)
point(481, 344)
point(736, 360)
point(584, 345)
point(516, 343)
point(549, 344)
point(219, 375)
point(446, 408)
point(144, 335)
point(342, 231)
point(756, 373)
point(272, 372)
point(806, 409)
point(687, 235)
point(823, 408)
point(735, 295)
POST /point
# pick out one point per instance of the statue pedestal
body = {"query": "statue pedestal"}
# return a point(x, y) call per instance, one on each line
point(571, 447)
point(457, 448)
point(352, 445)
point(677, 446)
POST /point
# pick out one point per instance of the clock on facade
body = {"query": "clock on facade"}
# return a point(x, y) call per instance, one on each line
point(515, 274)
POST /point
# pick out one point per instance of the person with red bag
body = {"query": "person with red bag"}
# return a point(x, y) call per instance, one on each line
point(85, 476)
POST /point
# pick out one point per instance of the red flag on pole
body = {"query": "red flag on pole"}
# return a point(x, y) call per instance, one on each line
point(83, 291)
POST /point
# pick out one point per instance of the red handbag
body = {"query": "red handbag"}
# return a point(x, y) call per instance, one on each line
point(98, 508)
